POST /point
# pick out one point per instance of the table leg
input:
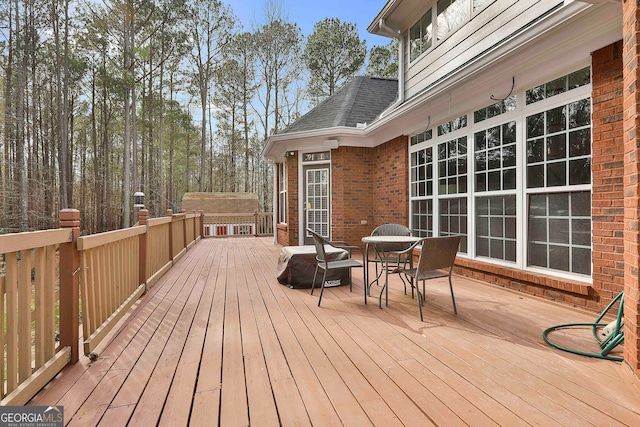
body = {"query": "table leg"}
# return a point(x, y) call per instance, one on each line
point(366, 272)
point(385, 288)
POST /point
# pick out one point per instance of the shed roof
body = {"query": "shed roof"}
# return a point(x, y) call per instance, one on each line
point(359, 101)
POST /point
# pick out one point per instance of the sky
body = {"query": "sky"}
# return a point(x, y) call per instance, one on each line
point(307, 12)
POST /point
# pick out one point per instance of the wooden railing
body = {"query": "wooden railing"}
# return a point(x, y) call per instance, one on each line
point(242, 224)
point(29, 299)
point(96, 278)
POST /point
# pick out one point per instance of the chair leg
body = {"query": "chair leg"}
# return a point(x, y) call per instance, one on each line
point(313, 284)
point(419, 298)
point(324, 278)
point(453, 299)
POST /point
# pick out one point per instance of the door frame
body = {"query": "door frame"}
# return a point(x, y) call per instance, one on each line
point(305, 165)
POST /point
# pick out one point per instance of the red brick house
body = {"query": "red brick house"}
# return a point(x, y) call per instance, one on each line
point(514, 125)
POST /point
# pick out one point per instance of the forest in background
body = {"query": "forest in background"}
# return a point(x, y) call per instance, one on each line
point(103, 98)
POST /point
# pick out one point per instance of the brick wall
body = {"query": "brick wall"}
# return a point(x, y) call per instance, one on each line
point(352, 199)
point(631, 33)
point(607, 206)
point(369, 185)
point(391, 191)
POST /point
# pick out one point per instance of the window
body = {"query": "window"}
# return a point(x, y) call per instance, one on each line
point(515, 183)
point(558, 158)
point(495, 172)
point(451, 14)
point(453, 219)
point(282, 193)
point(496, 227)
point(422, 189)
point(452, 179)
point(420, 36)
point(560, 85)
point(422, 217)
point(447, 16)
point(495, 162)
point(316, 157)
point(493, 110)
point(559, 146)
point(560, 231)
point(452, 126)
point(452, 166)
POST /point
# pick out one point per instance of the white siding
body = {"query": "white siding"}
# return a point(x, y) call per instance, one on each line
point(484, 31)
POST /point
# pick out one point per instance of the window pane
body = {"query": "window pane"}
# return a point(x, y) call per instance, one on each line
point(556, 232)
point(581, 232)
point(556, 147)
point(558, 204)
point(537, 255)
point(451, 13)
point(555, 87)
point(535, 176)
point(538, 229)
point(580, 171)
point(559, 257)
point(496, 226)
point(581, 204)
point(556, 120)
point(580, 78)
point(580, 113)
point(453, 219)
point(509, 155)
point(482, 246)
point(535, 151)
point(556, 174)
point(581, 261)
point(580, 143)
point(559, 230)
point(535, 125)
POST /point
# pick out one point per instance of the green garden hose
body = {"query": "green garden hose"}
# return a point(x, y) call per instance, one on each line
point(612, 340)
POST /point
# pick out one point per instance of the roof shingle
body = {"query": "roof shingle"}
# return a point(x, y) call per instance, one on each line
point(359, 101)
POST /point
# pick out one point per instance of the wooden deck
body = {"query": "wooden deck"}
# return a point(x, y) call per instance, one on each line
point(219, 341)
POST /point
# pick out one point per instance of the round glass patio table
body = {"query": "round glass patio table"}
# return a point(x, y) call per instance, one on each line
point(373, 240)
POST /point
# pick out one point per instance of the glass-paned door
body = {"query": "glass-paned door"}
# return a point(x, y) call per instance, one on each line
point(316, 199)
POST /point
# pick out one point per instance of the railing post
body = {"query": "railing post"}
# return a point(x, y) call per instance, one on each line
point(170, 213)
point(256, 219)
point(195, 226)
point(185, 244)
point(201, 222)
point(69, 284)
point(143, 219)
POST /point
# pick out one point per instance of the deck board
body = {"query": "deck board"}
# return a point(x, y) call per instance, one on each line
point(218, 340)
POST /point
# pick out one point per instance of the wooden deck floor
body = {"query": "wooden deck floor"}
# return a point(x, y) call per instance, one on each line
point(219, 341)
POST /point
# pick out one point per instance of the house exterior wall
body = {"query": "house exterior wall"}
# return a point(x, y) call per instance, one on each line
point(369, 187)
point(631, 104)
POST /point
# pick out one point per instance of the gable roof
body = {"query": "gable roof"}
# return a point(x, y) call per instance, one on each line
point(359, 101)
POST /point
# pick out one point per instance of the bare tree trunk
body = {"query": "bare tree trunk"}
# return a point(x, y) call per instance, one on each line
point(126, 162)
point(19, 170)
point(62, 93)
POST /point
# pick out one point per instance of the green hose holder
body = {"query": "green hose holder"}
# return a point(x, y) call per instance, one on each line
point(611, 341)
